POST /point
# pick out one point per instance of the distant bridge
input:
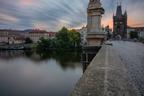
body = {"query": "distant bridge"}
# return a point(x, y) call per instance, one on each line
point(116, 70)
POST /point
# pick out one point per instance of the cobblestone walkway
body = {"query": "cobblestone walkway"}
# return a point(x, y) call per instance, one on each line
point(117, 70)
point(132, 54)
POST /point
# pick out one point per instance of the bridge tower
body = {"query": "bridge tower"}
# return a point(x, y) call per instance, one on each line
point(120, 22)
point(95, 36)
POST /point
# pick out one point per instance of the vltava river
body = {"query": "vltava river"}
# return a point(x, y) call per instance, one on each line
point(24, 73)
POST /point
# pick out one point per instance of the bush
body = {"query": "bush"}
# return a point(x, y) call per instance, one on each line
point(28, 41)
point(134, 35)
point(43, 44)
point(141, 40)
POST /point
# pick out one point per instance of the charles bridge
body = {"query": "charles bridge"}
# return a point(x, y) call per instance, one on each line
point(116, 70)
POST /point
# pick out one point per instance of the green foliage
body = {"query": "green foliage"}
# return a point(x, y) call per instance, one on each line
point(133, 35)
point(65, 39)
point(74, 38)
point(28, 41)
point(43, 44)
point(68, 38)
point(141, 40)
point(63, 34)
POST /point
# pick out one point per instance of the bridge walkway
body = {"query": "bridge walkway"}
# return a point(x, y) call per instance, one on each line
point(115, 71)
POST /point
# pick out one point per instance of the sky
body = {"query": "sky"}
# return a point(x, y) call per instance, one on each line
point(51, 15)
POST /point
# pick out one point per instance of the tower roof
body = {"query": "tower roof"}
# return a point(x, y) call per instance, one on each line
point(119, 11)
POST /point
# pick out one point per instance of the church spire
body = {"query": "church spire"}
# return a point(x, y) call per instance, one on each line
point(119, 11)
point(119, 2)
point(125, 13)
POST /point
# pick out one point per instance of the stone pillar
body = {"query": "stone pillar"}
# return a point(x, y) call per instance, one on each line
point(95, 36)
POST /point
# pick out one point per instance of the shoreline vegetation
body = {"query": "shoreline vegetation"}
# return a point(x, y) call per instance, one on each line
point(67, 40)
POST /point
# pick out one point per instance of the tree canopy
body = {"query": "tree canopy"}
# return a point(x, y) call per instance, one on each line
point(28, 40)
point(133, 35)
point(65, 39)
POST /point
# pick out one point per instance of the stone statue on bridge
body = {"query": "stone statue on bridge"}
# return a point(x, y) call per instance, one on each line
point(95, 36)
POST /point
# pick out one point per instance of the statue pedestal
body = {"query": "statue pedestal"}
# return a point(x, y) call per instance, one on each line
point(96, 38)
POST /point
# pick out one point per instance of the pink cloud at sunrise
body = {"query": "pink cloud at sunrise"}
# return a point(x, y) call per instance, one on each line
point(26, 2)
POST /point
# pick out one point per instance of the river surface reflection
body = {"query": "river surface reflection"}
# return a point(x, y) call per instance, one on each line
point(25, 73)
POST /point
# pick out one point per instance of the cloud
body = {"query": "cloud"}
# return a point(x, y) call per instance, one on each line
point(5, 18)
point(135, 13)
point(53, 14)
point(40, 25)
point(26, 2)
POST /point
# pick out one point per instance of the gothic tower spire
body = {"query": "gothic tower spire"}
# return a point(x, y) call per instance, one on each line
point(119, 2)
point(119, 11)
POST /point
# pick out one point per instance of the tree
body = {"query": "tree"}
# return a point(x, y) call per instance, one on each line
point(141, 39)
point(68, 38)
point(43, 44)
point(74, 37)
point(63, 34)
point(133, 35)
point(65, 39)
point(28, 40)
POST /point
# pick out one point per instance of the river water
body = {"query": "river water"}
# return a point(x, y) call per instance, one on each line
point(26, 73)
